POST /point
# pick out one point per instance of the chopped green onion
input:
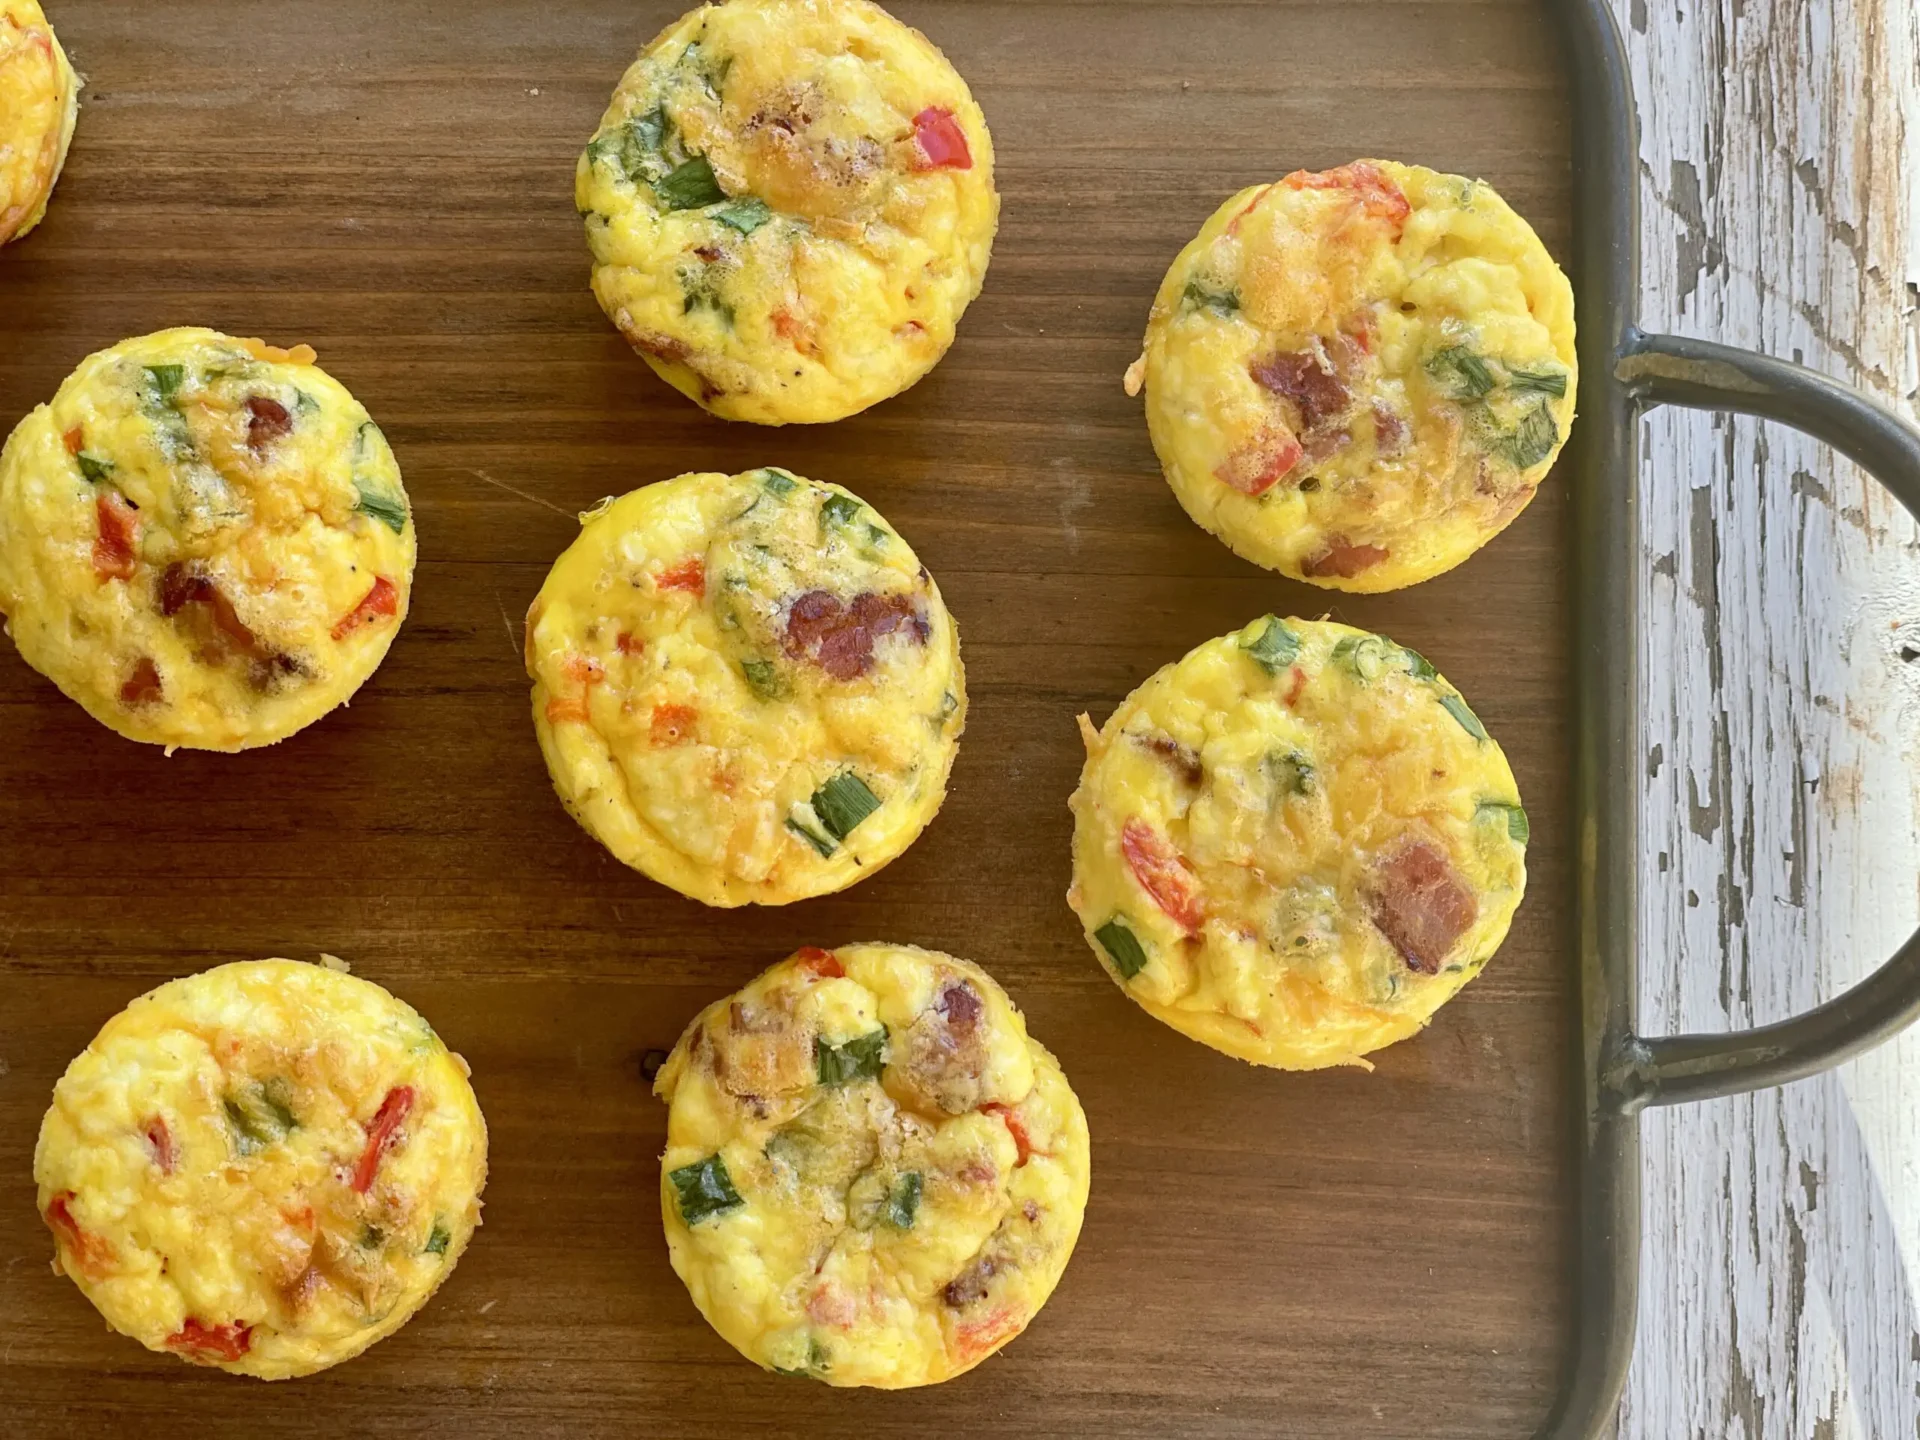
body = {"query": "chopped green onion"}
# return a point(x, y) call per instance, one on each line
point(166, 380)
point(389, 510)
point(1465, 374)
point(778, 482)
point(1368, 657)
point(93, 467)
point(260, 1116)
point(747, 214)
point(839, 510)
point(1546, 380)
point(438, 1241)
point(1518, 828)
point(1469, 722)
point(305, 403)
point(1532, 440)
point(372, 1237)
point(1274, 648)
point(818, 1363)
point(822, 844)
point(705, 1189)
point(1201, 296)
point(843, 802)
point(1292, 772)
point(763, 678)
point(904, 1203)
point(689, 186)
point(861, 1058)
point(1122, 946)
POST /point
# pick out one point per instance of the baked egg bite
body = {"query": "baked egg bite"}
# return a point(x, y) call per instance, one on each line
point(39, 102)
point(873, 1175)
point(746, 686)
point(1296, 844)
point(265, 1167)
point(204, 541)
point(1359, 377)
point(789, 205)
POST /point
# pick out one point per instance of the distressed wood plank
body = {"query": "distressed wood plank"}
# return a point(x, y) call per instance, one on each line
point(1781, 141)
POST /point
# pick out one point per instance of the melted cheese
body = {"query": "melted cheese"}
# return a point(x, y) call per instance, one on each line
point(843, 221)
point(712, 653)
point(199, 1165)
point(204, 541)
point(1241, 822)
point(1359, 378)
point(908, 1169)
point(39, 103)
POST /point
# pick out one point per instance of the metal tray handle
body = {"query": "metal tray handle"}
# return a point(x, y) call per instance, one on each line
point(1672, 1069)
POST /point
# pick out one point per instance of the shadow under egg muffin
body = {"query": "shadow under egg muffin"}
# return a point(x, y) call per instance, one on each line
point(39, 103)
point(1296, 844)
point(789, 205)
point(204, 541)
point(746, 686)
point(873, 1175)
point(264, 1167)
point(1357, 378)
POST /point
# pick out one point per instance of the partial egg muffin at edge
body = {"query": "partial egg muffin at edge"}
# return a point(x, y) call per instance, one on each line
point(873, 1175)
point(204, 541)
point(264, 1167)
point(789, 204)
point(746, 687)
point(1359, 377)
point(39, 104)
point(1296, 844)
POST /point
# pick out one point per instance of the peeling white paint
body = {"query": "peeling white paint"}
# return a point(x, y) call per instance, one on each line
point(1780, 159)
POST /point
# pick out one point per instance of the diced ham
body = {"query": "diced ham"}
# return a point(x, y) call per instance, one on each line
point(1182, 760)
point(1163, 874)
point(689, 575)
point(267, 421)
point(840, 638)
point(1263, 462)
point(211, 1343)
point(971, 1284)
point(1421, 905)
point(142, 687)
point(115, 553)
point(382, 1132)
point(1344, 559)
point(940, 1061)
point(1367, 184)
point(939, 142)
point(822, 964)
point(1307, 379)
point(672, 724)
point(184, 585)
point(160, 1142)
point(380, 601)
point(1389, 430)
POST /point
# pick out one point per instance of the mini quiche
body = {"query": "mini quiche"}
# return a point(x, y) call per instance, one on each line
point(746, 686)
point(39, 102)
point(789, 204)
point(265, 1167)
point(204, 541)
point(1359, 377)
point(873, 1176)
point(1296, 844)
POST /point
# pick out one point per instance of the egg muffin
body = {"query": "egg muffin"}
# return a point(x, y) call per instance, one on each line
point(1296, 844)
point(746, 686)
point(789, 204)
point(265, 1167)
point(1359, 377)
point(873, 1176)
point(203, 540)
point(39, 102)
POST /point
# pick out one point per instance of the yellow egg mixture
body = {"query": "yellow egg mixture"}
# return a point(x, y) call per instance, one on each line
point(1296, 843)
point(1359, 377)
point(265, 1167)
point(873, 1176)
point(203, 540)
point(746, 686)
point(39, 102)
point(789, 205)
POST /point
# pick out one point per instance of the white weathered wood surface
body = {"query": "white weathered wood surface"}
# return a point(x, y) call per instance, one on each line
point(1780, 175)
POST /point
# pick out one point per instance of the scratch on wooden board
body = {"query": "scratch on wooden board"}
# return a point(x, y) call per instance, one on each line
point(1781, 683)
point(530, 499)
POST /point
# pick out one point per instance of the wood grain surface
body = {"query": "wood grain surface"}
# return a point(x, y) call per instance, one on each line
point(1329, 1255)
point(1780, 155)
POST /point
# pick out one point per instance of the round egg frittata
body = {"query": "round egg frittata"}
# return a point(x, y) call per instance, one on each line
point(39, 103)
point(789, 205)
point(203, 540)
point(746, 686)
point(1296, 844)
point(265, 1167)
point(873, 1175)
point(1359, 377)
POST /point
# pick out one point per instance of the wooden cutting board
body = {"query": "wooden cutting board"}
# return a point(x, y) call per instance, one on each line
point(1338, 1254)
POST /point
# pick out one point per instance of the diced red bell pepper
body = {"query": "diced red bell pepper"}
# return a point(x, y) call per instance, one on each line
point(114, 555)
point(689, 575)
point(382, 600)
point(75, 440)
point(941, 143)
point(822, 963)
point(1381, 198)
point(160, 1141)
point(672, 724)
point(1016, 1127)
point(1263, 462)
point(197, 1340)
point(1163, 874)
point(143, 686)
point(387, 1121)
point(92, 1255)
